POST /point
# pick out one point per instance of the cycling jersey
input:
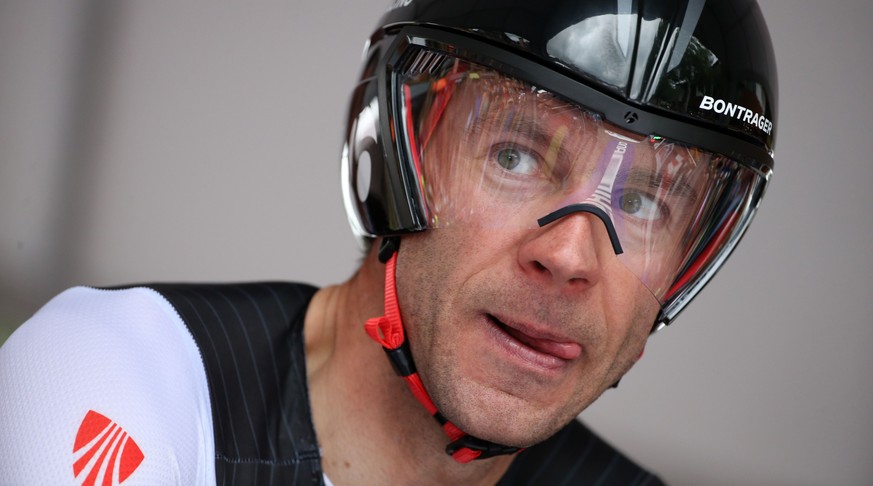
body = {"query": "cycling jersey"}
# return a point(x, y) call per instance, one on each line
point(196, 384)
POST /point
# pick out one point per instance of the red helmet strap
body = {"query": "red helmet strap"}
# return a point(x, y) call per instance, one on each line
point(388, 331)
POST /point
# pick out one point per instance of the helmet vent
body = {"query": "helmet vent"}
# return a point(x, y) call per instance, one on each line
point(425, 62)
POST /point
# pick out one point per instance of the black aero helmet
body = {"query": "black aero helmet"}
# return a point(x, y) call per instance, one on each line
point(658, 117)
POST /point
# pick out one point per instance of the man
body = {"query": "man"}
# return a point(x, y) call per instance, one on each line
point(541, 187)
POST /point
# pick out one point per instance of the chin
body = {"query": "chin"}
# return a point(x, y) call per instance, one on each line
point(509, 420)
point(518, 433)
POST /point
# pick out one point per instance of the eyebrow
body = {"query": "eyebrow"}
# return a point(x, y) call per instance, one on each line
point(506, 120)
point(655, 180)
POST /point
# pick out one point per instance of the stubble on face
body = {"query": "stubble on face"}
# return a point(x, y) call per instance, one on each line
point(459, 282)
point(446, 287)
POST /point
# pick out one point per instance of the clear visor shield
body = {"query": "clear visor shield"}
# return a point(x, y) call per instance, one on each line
point(491, 151)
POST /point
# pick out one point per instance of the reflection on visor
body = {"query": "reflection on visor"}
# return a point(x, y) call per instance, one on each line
point(491, 151)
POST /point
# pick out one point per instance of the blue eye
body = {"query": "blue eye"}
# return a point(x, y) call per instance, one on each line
point(516, 160)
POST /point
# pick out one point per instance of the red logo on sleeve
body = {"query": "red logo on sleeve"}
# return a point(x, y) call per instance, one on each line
point(104, 454)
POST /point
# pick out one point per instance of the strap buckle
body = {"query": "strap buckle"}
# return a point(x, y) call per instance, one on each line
point(486, 448)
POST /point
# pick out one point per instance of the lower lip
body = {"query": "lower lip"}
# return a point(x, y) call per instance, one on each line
point(521, 352)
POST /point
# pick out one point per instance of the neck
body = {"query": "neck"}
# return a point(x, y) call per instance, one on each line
point(370, 428)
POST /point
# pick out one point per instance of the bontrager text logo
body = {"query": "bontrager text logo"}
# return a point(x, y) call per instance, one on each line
point(732, 110)
point(103, 452)
point(398, 4)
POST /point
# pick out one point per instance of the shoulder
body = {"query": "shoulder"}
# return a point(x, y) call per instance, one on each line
point(576, 455)
point(217, 304)
point(104, 377)
point(96, 327)
point(90, 327)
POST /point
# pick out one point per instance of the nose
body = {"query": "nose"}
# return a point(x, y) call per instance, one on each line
point(569, 251)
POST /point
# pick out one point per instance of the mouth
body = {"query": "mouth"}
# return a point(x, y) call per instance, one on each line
point(535, 346)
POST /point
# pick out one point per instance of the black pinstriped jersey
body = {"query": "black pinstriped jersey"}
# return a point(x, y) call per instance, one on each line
point(250, 338)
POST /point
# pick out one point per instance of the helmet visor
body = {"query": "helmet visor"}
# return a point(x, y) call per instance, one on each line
point(488, 150)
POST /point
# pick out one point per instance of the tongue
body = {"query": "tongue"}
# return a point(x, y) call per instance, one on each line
point(563, 350)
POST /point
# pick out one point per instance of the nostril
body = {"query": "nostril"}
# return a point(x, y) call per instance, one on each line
point(540, 268)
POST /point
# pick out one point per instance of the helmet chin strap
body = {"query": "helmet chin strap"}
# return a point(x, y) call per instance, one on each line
point(388, 331)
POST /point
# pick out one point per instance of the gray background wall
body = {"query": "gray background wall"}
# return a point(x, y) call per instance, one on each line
point(154, 140)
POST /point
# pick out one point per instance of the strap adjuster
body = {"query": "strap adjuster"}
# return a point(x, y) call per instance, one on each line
point(486, 448)
point(401, 359)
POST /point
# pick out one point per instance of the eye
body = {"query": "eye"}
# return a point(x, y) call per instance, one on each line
point(516, 160)
point(642, 206)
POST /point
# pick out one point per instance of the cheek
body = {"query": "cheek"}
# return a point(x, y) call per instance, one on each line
point(426, 279)
point(638, 333)
point(419, 276)
point(439, 270)
point(630, 316)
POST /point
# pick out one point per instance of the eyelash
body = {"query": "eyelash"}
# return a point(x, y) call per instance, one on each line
point(497, 149)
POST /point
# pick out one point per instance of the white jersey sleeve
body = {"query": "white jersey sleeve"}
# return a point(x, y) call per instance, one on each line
point(104, 387)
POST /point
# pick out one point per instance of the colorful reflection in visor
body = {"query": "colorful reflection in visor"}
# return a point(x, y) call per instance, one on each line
point(491, 151)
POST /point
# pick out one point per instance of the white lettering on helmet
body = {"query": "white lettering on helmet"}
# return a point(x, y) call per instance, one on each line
point(620, 149)
point(742, 113)
point(398, 4)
